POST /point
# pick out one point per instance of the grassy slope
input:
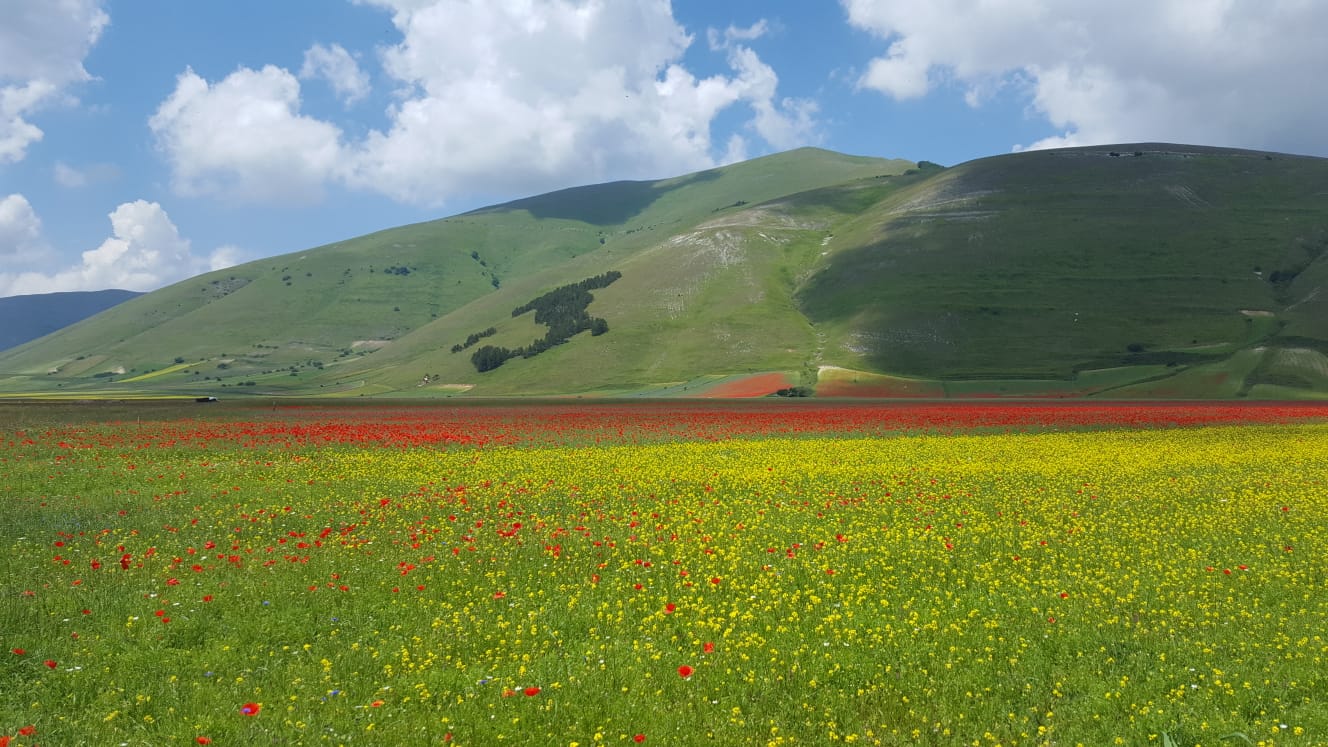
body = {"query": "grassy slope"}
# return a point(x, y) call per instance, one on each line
point(1042, 265)
point(691, 280)
point(336, 319)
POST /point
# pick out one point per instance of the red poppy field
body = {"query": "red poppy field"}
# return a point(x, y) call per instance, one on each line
point(665, 573)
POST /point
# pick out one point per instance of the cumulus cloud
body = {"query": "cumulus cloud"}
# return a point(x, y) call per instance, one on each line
point(517, 96)
point(144, 252)
point(245, 138)
point(495, 98)
point(20, 233)
point(1201, 71)
point(336, 66)
point(42, 46)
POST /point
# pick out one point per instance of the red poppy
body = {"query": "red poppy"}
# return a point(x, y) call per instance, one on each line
point(4, 740)
point(27, 731)
point(50, 664)
point(531, 691)
point(708, 647)
point(669, 608)
point(18, 651)
point(685, 671)
point(251, 709)
point(204, 740)
point(639, 738)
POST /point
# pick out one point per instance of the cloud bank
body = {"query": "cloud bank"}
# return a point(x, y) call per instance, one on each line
point(145, 251)
point(1199, 71)
point(42, 46)
point(492, 98)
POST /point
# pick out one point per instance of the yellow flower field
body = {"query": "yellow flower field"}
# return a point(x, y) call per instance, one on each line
point(1117, 586)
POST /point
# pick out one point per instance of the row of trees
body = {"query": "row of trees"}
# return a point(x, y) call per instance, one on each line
point(562, 310)
point(566, 299)
point(473, 338)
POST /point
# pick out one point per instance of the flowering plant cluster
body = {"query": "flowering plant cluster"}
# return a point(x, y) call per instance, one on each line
point(775, 573)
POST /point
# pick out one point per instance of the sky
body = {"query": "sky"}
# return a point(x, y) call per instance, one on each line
point(146, 141)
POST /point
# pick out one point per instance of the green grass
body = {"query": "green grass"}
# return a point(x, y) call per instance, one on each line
point(936, 589)
point(1042, 264)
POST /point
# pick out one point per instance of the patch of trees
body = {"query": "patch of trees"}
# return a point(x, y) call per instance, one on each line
point(490, 357)
point(562, 310)
point(395, 270)
point(1303, 253)
point(473, 338)
point(794, 391)
point(923, 167)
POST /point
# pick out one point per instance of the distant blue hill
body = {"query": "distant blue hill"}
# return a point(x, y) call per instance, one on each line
point(24, 318)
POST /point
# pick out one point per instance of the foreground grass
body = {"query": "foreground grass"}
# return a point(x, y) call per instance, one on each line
point(1112, 587)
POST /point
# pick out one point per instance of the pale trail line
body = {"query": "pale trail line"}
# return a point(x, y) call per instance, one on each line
point(1187, 196)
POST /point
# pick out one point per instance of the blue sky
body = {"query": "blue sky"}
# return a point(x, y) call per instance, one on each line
point(142, 142)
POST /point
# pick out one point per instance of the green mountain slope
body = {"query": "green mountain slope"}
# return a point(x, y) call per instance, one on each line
point(1136, 270)
point(1050, 263)
point(350, 314)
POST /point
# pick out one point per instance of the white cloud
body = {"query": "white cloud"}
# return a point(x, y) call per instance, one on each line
point(244, 138)
point(486, 110)
point(336, 66)
point(225, 256)
point(496, 98)
point(73, 178)
point(145, 251)
point(725, 39)
point(1202, 71)
point(782, 123)
point(42, 46)
point(20, 233)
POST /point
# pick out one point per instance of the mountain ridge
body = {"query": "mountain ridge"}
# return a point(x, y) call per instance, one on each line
point(1136, 270)
point(27, 317)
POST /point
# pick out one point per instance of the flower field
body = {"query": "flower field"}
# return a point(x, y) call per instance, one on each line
point(687, 573)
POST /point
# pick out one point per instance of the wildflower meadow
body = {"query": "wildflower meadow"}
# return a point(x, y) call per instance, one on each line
point(665, 573)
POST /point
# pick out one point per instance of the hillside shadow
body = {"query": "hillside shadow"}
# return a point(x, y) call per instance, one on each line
point(608, 204)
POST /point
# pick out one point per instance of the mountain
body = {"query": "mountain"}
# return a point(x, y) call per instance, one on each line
point(24, 318)
point(1141, 270)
